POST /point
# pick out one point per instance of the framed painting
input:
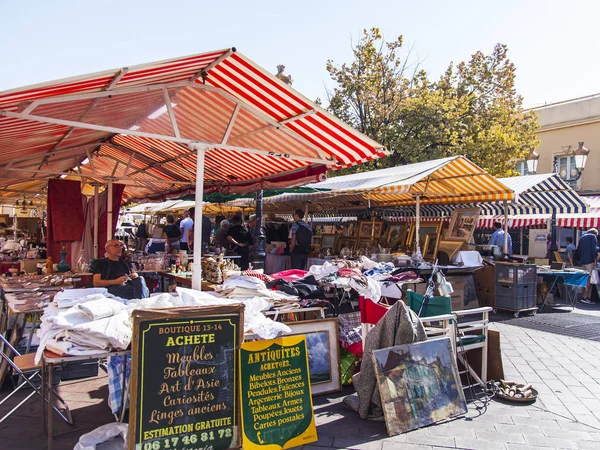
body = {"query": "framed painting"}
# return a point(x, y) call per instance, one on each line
point(462, 224)
point(329, 240)
point(430, 246)
point(449, 247)
point(322, 343)
point(426, 227)
point(419, 384)
point(345, 242)
point(368, 228)
point(395, 234)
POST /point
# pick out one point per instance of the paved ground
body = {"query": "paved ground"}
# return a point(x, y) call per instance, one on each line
point(564, 369)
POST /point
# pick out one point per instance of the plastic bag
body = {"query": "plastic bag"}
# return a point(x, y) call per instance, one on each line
point(594, 279)
point(115, 433)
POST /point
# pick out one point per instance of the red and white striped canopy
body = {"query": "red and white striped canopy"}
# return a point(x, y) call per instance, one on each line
point(142, 126)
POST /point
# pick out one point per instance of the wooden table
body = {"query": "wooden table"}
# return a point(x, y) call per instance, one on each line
point(184, 281)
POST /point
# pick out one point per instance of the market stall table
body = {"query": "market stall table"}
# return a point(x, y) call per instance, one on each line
point(21, 305)
point(554, 279)
point(50, 360)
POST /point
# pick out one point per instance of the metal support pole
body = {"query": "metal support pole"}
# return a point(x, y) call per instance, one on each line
point(259, 245)
point(521, 244)
point(197, 272)
point(109, 213)
point(417, 220)
point(505, 245)
point(96, 221)
point(553, 247)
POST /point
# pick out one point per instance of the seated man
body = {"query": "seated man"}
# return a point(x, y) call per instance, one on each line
point(117, 275)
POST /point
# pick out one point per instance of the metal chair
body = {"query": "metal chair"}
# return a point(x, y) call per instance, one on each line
point(28, 371)
point(468, 335)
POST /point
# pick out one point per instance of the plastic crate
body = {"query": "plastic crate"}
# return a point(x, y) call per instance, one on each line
point(516, 298)
point(79, 369)
point(516, 273)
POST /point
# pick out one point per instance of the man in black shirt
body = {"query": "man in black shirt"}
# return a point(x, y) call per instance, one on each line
point(240, 239)
point(173, 233)
point(117, 274)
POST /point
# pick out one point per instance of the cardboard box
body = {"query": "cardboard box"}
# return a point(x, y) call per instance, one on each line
point(458, 296)
point(485, 283)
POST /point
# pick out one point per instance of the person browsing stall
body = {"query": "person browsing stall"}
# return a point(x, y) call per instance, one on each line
point(301, 241)
point(240, 240)
point(118, 275)
point(173, 233)
point(587, 251)
point(221, 234)
point(570, 248)
point(186, 227)
point(498, 238)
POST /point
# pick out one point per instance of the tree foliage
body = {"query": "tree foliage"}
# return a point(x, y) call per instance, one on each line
point(472, 109)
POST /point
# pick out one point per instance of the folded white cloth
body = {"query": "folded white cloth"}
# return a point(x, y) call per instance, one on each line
point(99, 309)
point(70, 297)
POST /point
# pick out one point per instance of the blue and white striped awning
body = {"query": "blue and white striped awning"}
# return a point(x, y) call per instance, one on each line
point(534, 194)
point(546, 192)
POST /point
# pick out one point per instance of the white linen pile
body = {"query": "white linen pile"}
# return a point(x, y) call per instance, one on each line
point(85, 325)
point(254, 319)
point(242, 287)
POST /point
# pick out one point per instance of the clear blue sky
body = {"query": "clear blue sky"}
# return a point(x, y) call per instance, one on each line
point(554, 44)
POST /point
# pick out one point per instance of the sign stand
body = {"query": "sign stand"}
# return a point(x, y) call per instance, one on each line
point(185, 378)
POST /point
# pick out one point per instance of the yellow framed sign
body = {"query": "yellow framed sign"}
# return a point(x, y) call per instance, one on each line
point(277, 409)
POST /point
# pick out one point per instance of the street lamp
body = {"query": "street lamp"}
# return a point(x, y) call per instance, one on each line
point(532, 161)
point(581, 153)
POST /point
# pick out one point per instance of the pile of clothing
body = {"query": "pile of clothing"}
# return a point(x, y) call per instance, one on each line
point(84, 322)
point(242, 287)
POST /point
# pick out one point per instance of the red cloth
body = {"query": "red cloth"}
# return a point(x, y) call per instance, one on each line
point(102, 224)
point(65, 221)
point(289, 275)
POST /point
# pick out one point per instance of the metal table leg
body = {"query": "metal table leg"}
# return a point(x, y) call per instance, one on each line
point(34, 319)
point(50, 404)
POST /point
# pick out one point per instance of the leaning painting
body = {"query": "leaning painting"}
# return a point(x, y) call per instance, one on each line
point(419, 384)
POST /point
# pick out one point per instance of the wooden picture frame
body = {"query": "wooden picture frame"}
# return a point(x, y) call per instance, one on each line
point(329, 240)
point(563, 257)
point(430, 246)
point(462, 224)
point(365, 229)
point(346, 242)
point(450, 247)
point(364, 243)
point(396, 234)
point(425, 227)
point(322, 343)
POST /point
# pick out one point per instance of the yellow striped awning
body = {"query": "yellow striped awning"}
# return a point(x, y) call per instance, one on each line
point(454, 180)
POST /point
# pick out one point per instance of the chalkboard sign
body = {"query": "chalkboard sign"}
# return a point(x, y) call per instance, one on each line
point(277, 410)
point(184, 378)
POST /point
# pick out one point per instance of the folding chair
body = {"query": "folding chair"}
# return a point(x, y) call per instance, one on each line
point(438, 310)
point(28, 371)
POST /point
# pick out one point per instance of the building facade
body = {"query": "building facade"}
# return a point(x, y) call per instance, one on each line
point(562, 126)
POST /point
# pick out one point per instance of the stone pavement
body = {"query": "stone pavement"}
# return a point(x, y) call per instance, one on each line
point(563, 369)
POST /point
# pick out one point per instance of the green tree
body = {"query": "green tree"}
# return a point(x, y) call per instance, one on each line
point(473, 109)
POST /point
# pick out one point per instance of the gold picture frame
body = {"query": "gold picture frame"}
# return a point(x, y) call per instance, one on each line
point(396, 234)
point(462, 224)
point(425, 227)
point(329, 240)
point(449, 247)
point(365, 229)
point(430, 247)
